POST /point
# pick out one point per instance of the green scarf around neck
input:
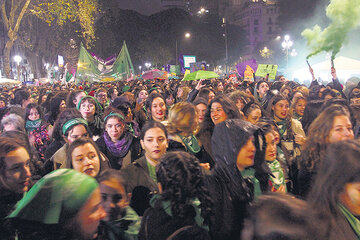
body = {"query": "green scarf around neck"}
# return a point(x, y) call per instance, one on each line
point(353, 221)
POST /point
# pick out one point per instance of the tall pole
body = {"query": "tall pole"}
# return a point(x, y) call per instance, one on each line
point(226, 47)
point(176, 52)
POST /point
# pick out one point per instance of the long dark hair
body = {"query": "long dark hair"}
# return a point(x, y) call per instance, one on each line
point(28, 109)
point(342, 166)
point(182, 180)
point(229, 108)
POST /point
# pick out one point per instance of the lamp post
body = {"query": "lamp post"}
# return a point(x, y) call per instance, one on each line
point(187, 35)
point(147, 65)
point(140, 69)
point(226, 46)
point(287, 44)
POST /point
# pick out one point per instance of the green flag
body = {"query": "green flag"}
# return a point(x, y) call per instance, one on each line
point(92, 70)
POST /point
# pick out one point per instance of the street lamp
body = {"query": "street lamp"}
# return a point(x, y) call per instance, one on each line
point(287, 44)
point(293, 52)
point(140, 69)
point(187, 35)
point(147, 65)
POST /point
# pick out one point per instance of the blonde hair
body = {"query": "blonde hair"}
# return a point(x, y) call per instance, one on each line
point(182, 117)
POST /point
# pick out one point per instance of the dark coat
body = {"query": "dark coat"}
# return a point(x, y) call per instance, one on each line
point(157, 225)
point(139, 184)
point(8, 201)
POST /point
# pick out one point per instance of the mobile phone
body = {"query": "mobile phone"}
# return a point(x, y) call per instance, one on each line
point(207, 82)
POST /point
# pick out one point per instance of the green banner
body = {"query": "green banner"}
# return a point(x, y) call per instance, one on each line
point(264, 69)
point(92, 70)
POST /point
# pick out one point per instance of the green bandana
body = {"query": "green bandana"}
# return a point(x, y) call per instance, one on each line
point(55, 198)
point(112, 114)
point(354, 222)
point(73, 122)
point(191, 143)
point(278, 178)
point(250, 174)
point(88, 96)
point(282, 127)
point(166, 205)
point(32, 125)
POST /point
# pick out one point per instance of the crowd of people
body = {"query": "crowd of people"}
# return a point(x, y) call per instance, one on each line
point(172, 159)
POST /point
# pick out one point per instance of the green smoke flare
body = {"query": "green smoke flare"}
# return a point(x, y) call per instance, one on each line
point(345, 16)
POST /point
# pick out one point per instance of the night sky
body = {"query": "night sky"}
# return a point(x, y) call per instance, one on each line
point(146, 7)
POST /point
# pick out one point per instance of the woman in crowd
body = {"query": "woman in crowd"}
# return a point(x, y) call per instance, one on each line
point(332, 125)
point(141, 95)
point(219, 109)
point(117, 142)
point(252, 112)
point(74, 98)
point(277, 178)
point(298, 107)
point(141, 173)
point(90, 111)
point(292, 135)
point(261, 89)
point(15, 178)
point(12, 122)
point(112, 93)
point(84, 156)
point(183, 200)
point(121, 221)
point(69, 128)
point(182, 124)
point(239, 175)
point(335, 193)
point(201, 105)
point(38, 130)
point(156, 107)
point(57, 105)
point(240, 99)
point(73, 212)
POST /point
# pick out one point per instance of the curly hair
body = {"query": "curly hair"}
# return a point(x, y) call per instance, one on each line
point(313, 151)
point(181, 178)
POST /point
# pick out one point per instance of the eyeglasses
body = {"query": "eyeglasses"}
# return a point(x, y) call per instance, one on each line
point(115, 198)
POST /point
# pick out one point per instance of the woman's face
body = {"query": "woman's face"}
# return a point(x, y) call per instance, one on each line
point(220, 87)
point(114, 128)
point(43, 98)
point(341, 129)
point(154, 143)
point(218, 114)
point(350, 197)
point(158, 109)
point(201, 108)
point(16, 171)
point(87, 109)
point(77, 132)
point(114, 94)
point(34, 114)
point(263, 88)
point(246, 155)
point(281, 110)
point(114, 199)
point(240, 104)
point(143, 95)
point(300, 107)
point(254, 116)
point(170, 100)
point(211, 96)
point(78, 98)
point(270, 154)
point(89, 216)
point(86, 160)
point(179, 92)
point(62, 106)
